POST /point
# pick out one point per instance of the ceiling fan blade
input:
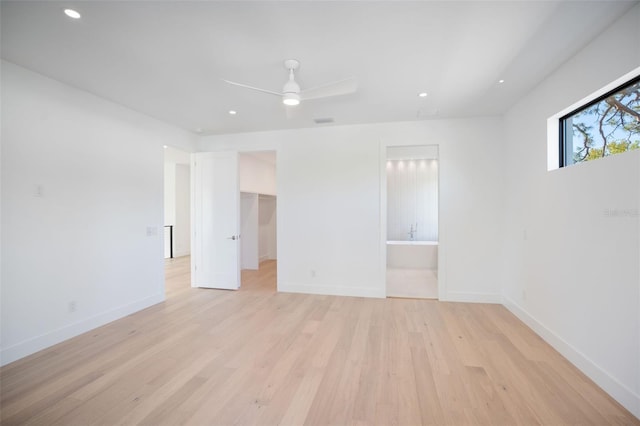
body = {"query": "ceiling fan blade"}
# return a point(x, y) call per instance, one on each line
point(252, 88)
point(336, 88)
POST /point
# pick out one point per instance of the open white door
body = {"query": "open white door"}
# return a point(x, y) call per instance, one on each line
point(216, 221)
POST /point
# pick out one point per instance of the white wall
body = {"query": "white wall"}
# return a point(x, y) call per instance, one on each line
point(330, 222)
point(249, 231)
point(256, 175)
point(267, 249)
point(571, 271)
point(82, 211)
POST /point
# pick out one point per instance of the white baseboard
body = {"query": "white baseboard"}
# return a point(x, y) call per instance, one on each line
point(625, 396)
point(458, 296)
point(35, 344)
point(331, 290)
point(181, 253)
point(335, 290)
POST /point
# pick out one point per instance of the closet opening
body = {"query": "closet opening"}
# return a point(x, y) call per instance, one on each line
point(258, 212)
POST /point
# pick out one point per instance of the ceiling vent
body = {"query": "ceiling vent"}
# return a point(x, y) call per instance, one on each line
point(323, 120)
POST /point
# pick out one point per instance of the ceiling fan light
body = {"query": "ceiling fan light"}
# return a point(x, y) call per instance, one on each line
point(291, 99)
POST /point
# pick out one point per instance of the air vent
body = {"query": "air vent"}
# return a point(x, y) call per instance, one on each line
point(323, 120)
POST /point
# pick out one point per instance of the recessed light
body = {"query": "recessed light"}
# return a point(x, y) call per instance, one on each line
point(423, 94)
point(500, 81)
point(232, 112)
point(165, 146)
point(72, 13)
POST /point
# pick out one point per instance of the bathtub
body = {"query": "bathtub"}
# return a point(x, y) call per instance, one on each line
point(412, 254)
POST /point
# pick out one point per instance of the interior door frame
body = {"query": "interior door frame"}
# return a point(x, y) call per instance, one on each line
point(278, 221)
point(382, 154)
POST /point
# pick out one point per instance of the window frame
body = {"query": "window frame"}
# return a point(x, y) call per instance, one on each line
point(562, 153)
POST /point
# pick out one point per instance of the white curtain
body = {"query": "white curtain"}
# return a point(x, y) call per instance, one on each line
point(412, 200)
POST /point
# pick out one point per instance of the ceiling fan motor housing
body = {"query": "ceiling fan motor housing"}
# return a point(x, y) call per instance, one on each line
point(291, 98)
point(291, 87)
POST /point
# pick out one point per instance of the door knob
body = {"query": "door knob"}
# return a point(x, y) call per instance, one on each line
point(233, 237)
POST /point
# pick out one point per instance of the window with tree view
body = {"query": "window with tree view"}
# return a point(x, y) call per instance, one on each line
point(606, 126)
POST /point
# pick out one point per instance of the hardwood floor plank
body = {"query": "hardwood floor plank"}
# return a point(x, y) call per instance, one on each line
point(431, 412)
point(257, 357)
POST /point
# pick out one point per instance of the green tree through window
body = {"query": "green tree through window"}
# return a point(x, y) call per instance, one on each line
point(607, 126)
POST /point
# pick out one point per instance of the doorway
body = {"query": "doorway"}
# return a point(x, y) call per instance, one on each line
point(258, 207)
point(177, 220)
point(412, 189)
point(177, 203)
point(233, 215)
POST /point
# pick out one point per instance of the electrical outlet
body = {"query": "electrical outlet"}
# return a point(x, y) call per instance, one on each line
point(72, 306)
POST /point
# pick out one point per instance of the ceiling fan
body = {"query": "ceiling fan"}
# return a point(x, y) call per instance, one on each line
point(291, 93)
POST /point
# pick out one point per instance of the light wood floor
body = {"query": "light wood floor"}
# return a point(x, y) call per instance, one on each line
point(413, 283)
point(212, 357)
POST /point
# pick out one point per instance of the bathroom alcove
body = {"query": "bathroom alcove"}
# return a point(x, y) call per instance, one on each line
point(412, 193)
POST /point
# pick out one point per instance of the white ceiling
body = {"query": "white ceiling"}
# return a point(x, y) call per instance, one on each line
point(167, 58)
